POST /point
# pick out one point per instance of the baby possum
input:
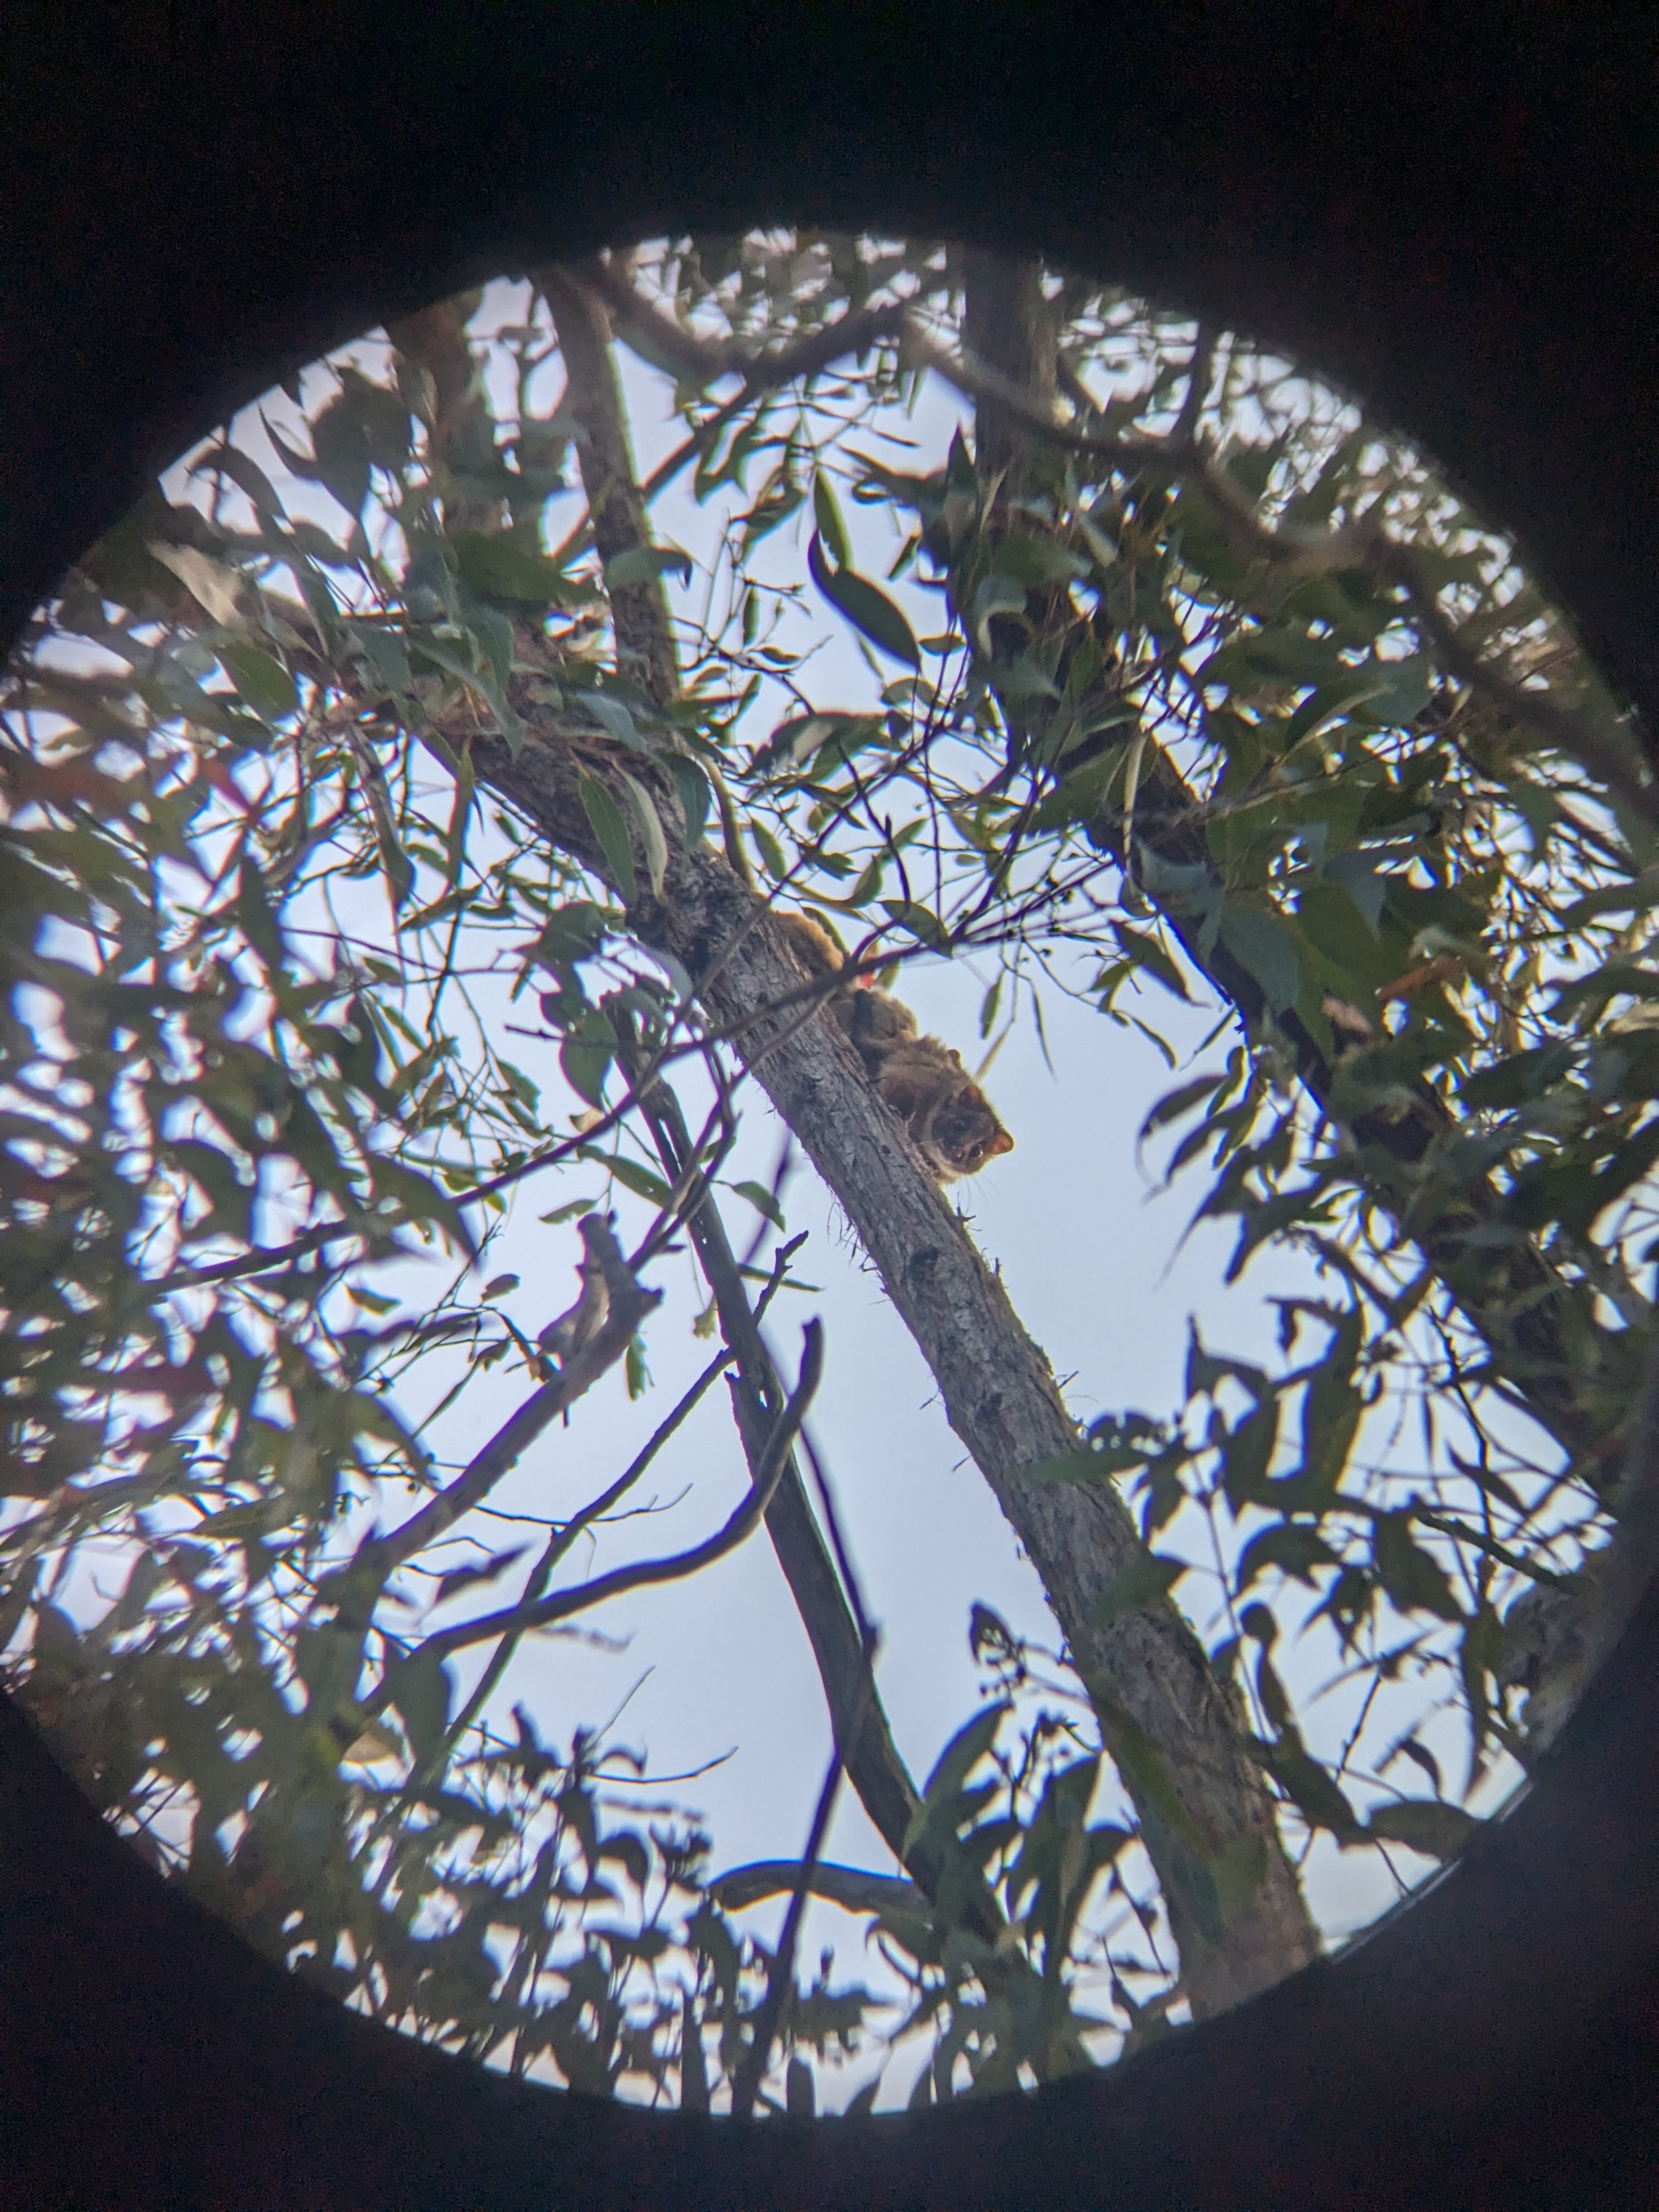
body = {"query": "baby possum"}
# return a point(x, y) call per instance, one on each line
point(950, 1120)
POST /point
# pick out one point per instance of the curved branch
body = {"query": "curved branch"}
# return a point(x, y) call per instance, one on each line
point(851, 1888)
point(563, 1604)
point(626, 1304)
point(661, 339)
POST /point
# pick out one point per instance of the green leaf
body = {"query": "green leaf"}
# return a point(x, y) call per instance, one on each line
point(471, 1578)
point(1174, 1104)
point(386, 654)
point(642, 564)
point(1142, 1585)
point(340, 442)
point(963, 1752)
point(1428, 1825)
point(605, 816)
point(587, 1053)
point(633, 1174)
point(1028, 561)
point(1311, 1789)
point(1267, 948)
point(264, 684)
point(493, 634)
point(771, 853)
point(831, 528)
point(1331, 921)
point(419, 1686)
point(1414, 1581)
point(256, 920)
point(864, 605)
point(650, 822)
point(1523, 1077)
point(571, 933)
point(1143, 949)
point(696, 795)
point(614, 717)
point(1118, 1444)
point(482, 681)
point(763, 1201)
point(1273, 656)
point(1293, 1547)
point(498, 566)
point(923, 924)
point(1327, 701)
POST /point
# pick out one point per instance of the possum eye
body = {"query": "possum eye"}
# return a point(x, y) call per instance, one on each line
point(967, 1131)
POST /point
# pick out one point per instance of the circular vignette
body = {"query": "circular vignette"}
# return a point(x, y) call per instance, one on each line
point(1496, 296)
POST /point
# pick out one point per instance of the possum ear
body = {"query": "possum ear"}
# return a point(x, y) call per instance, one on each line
point(1002, 1142)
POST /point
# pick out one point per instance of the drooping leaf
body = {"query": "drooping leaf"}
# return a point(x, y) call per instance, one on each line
point(1143, 1584)
point(263, 682)
point(1414, 1580)
point(654, 844)
point(864, 605)
point(419, 1685)
point(605, 816)
point(831, 528)
point(643, 564)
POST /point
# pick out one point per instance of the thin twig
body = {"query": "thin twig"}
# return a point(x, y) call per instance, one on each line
point(739, 1524)
point(780, 1978)
point(628, 1307)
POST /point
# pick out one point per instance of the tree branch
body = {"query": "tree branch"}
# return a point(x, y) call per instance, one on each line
point(851, 1888)
point(543, 1613)
point(561, 1540)
point(616, 506)
point(1174, 1727)
point(625, 1306)
point(661, 339)
point(858, 1718)
point(1513, 1298)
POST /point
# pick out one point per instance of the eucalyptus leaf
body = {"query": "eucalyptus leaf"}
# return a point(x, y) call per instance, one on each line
point(864, 605)
point(605, 818)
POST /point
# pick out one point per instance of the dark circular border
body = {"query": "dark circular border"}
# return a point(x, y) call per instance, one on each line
point(1450, 207)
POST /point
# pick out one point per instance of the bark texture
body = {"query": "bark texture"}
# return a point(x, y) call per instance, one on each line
point(1175, 1729)
point(436, 340)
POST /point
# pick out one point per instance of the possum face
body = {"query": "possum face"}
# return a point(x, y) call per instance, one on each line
point(963, 1133)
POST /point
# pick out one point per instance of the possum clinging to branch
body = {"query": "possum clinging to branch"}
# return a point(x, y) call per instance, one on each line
point(951, 1121)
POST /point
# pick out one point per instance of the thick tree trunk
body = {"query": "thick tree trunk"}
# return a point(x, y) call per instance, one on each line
point(1175, 1729)
point(437, 339)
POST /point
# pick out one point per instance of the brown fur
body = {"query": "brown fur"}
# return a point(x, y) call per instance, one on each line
point(951, 1121)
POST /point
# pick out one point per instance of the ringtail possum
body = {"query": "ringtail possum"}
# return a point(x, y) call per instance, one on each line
point(951, 1121)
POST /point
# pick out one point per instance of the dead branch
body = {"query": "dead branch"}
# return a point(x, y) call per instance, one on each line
point(563, 1605)
point(621, 1305)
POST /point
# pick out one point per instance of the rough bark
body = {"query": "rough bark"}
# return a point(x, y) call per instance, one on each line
point(1175, 1729)
point(615, 506)
point(882, 1779)
point(436, 338)
point(1006, 323)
